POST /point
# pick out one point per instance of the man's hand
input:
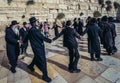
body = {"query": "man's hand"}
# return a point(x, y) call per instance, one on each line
point(20, 41)
point(81, 37)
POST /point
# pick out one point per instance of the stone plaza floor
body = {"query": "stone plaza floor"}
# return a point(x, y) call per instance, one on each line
point(106, 71)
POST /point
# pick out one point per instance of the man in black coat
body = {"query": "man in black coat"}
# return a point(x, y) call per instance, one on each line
point(113, 31)
point(55, 27)
point(12, 44)
point(23, 34)
point(75, 24)
point(93, 32)
point(80, 26)
point(107, 36)
point(69, 41)
point(37, 43)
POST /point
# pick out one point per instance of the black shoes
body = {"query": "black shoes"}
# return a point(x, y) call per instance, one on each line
point(99, 59)
point(31, 68)
point(46, 78)
point(75, 71)
point(12, 70)
point(92, 59)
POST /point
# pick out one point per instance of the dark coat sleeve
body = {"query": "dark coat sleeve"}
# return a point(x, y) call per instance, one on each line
point(22, 34)
point(85, 31)
point(60, 34)
point(9, 37)
point(76, 34)
point(114, 31)
point(39, 35)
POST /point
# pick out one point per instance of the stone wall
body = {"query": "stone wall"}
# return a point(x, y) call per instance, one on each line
point(46, 9)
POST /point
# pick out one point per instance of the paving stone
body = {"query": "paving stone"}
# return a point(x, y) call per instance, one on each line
point(102, 80)
point(5, 62)
point(86, 79)
point(35, 79)
point(112, 75)
point(18, 76)
point(1, 57)
point(51, 71)
point(56, 48)
point(51, 54)
point(117, 55)
point(91, 68)
point(59, 79)
point(23, 73)
point(111, 62)
point(27, 60)
point(3, 80)
point(25, 80)
point(3, 72)
point(118, 81)
point(60, 64)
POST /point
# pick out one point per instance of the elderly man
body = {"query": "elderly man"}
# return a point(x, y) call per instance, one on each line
point(12, 44)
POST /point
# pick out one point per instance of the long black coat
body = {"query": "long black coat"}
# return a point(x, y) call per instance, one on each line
point(75, 24)
point(113, 29)
point(107, 36)
point(23, 34)
point(93, 32)
point(55, 27)
point(12, 45)
point(80, 27)
point(69, 37)
point(37, 41)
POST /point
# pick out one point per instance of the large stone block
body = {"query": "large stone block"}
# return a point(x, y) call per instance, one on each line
point(52, 6)
point(53, 11)
point(63, 6)
point(11, 10)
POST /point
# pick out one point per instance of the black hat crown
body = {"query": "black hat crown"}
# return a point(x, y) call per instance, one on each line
point(14, 22)
point(24, 23)
point(32, 19)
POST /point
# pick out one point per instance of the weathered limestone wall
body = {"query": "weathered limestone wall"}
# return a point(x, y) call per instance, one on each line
point(46, 9)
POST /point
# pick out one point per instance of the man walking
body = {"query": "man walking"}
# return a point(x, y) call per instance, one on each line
point(69, 41)
point(37, 43)
point(12, 44)
point(23, 34)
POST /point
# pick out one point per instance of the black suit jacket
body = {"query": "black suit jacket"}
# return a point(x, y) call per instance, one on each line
point(69, 37)
point(23, 34)
point(37, 41)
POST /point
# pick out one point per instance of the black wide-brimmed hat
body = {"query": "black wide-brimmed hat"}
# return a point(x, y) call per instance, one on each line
point(110, 19)
point(24, 23)
point(104, 18)
point(14, 22)
point(93, 20)
point(32, 19)
point(68, 23)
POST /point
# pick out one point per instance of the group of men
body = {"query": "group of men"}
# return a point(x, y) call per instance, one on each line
point(17, 38)
point(108, 34)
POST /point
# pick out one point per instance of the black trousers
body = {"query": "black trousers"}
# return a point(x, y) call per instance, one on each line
point(97, 55)
point(40, 61)
point(23, 48)
point(114, 47)
point(73, 58)
point(13, 59)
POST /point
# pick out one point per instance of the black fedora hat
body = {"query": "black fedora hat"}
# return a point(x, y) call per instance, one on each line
point(104, 18)
point(14, 22)
point(32, 19)
point(24, 23)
